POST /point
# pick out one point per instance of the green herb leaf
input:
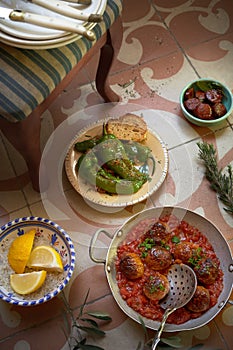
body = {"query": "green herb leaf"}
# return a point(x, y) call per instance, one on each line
point(147, 244)
point(144, 327)
point(139, 346)
point(196, 347)
point(175, 239)
point(174, 342)
point(93, 330)
point(89, 320)
point(88, 347)
point(144, 255)
point(221, 183)
point(84, 303)
point(205, 85)
point(99, 315)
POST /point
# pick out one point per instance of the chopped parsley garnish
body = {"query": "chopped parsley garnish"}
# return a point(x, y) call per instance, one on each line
point(155, 287)
point(175, 239)
point(164, 245)
point(196, 257)
point(146, 245)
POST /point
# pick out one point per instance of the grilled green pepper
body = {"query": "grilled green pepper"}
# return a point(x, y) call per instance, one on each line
point(95, 175)
point(84, 146)
point(110, 149)
point(113, 155)
point(126, 170)
point(136, 152)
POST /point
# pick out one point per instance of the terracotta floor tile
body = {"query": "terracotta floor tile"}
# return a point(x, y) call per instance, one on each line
point(156, 82)
point(141, 9)
point(214, 68)
point(51, 331)
point(201, 20)
point(224, 323)
point(22, 318)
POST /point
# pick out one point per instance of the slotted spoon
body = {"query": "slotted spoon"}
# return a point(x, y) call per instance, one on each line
point(183, 282)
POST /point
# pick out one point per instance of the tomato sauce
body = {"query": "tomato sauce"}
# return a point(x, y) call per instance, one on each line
point(132, 290)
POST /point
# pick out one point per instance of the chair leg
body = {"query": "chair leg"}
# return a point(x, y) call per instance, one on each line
point(25, 137)
point(107, 55)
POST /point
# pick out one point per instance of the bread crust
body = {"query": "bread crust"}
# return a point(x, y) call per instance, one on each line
point(128, 127)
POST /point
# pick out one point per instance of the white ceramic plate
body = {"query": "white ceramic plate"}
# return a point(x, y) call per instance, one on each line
point(38, 44)
point(33, 32)
point(89, 193)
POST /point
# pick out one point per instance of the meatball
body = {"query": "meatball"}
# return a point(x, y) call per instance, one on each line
point(200, 302)
point(185, 251)
point(156, 287)
point(158, 258)
point(131, 265)
point(206, 271)
point(158, 232)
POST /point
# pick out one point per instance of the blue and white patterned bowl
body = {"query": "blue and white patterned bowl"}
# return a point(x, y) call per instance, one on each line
point(47, 232)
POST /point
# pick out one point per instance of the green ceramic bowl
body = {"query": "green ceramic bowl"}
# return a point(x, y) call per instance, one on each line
point(227, 101)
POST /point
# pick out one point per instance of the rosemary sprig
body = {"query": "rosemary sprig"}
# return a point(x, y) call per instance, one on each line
point(221, 183)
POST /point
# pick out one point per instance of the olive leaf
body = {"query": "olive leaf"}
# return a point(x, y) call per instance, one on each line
point(144, 328)
point(92, 328)
point(99, 315)
point(174, 342)
point(196, 347)
point(90, 321)
point(84, 303)
point(87, 347)
point(205, 85)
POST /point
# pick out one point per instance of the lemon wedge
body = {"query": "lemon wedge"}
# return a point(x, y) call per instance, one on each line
point(26, 283)
point(45, 257)
point(20, 251)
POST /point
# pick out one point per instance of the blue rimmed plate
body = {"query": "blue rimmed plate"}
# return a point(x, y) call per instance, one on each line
point(47, 232)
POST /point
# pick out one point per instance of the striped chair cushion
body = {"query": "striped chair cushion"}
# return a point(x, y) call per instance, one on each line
point(27, 77)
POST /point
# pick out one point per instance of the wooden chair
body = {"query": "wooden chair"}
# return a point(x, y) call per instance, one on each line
point(23, 99)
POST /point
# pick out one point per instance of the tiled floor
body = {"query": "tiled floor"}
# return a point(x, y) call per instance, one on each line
point(166, 44)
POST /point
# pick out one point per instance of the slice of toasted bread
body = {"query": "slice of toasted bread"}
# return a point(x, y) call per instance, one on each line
point(128, 127)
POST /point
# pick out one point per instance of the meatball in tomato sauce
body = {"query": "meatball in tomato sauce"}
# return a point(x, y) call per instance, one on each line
point(200, 302)
point(131, 265)
point(185, 251)
point(156, 287)
point(158, 258)
point(207, 271)
point(158, 232)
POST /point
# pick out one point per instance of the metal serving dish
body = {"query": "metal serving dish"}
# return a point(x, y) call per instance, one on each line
point(214, 236)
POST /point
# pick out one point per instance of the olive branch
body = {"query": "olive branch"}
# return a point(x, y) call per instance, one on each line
point(77, 339)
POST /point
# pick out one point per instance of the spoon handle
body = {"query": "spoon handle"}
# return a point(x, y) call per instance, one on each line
point(161, 327)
